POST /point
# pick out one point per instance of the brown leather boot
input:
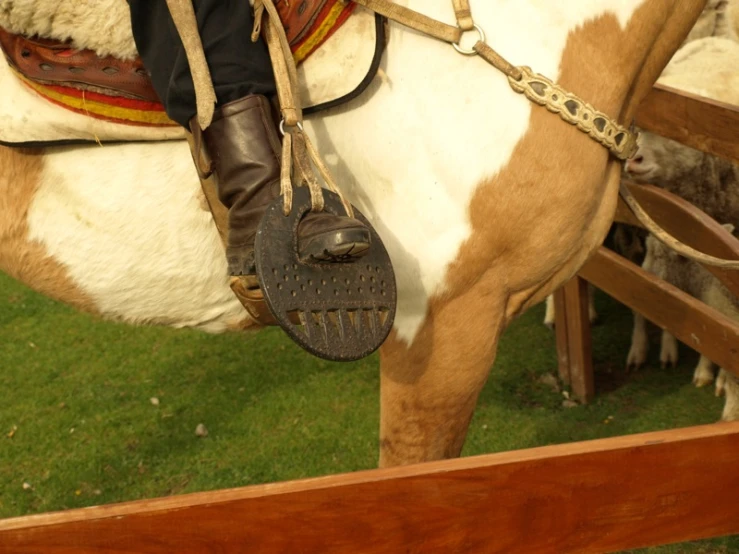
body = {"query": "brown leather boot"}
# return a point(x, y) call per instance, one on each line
point(245, 148)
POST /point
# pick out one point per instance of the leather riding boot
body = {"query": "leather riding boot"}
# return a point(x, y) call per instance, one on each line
point(244, 145)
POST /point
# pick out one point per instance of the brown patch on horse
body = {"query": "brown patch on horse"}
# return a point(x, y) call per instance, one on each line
point(561, 185)
point(534, 225)
point(20, 257)
point(429, 392)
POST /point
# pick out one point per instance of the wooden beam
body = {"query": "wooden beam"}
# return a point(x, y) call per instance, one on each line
point(599, 496)
point(699, 122)
point(560, 331)
point(688, 224)
point(690, 320)
point(580, 351)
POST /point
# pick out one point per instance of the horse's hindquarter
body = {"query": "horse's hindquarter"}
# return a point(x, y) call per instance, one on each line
point(126, 228)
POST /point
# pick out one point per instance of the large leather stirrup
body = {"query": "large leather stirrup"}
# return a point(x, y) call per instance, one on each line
point(336, 311)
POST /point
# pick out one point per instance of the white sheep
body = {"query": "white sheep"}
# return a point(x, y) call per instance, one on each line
point(728, 22)
point(706, 67)
point(711, 184)
point(708, 182)
point(709, 22)
point(698, 282)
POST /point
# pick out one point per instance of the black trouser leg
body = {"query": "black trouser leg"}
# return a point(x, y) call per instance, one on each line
point(238, 66)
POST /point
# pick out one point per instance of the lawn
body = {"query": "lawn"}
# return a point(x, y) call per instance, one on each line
point(95, 412)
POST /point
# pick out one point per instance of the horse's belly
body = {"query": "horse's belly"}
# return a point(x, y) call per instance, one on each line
point(129, 224)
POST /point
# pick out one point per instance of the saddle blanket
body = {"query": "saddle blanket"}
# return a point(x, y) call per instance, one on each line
point(336, 51)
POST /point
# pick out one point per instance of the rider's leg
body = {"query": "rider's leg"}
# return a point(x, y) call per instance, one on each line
point(242, 140)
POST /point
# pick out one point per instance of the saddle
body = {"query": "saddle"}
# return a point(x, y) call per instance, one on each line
point(48, 61)
point(120, 91)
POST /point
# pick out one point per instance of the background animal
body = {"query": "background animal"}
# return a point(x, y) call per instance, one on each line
point(712, 184)
point(709, 182)
point(689, 277)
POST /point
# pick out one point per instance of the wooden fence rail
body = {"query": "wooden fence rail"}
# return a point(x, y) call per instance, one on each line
point(702, 123)
point(599, 496)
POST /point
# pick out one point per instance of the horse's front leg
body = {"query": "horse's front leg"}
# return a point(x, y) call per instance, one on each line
point(429, 388)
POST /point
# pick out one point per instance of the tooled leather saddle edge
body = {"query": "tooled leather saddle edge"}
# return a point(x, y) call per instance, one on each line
point(53, 62)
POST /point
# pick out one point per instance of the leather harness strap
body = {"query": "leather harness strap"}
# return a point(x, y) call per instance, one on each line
point(464, 14)
point(414, 20)
point(183, 15)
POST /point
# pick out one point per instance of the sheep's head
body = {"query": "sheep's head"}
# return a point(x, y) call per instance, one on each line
point(661, 161)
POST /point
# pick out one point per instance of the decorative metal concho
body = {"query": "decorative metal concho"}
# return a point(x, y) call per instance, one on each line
point(336, 311)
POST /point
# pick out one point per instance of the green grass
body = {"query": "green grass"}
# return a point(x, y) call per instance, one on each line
point(77, 392)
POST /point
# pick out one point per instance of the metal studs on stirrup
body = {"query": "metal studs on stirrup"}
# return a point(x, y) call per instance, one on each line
point(470, 51)
point(337, 311)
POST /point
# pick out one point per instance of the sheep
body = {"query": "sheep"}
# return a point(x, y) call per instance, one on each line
point(698, 282)
point(707, 23)
point(706, 67)
point(720, 18)
point(708, 182)
point(728, 22)
point(728, 384)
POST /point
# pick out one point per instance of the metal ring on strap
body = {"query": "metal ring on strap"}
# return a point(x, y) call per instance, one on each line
point(282, 127)
point(470, 51)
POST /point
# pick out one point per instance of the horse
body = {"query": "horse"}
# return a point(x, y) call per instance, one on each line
point(486, 202)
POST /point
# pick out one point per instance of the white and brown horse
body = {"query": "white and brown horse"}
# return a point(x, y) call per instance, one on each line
point(485, 202)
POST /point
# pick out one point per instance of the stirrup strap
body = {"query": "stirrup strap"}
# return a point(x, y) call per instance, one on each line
point(464, 14)
point(183, 15)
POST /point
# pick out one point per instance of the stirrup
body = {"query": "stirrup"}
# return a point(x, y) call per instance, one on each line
point(336, 311)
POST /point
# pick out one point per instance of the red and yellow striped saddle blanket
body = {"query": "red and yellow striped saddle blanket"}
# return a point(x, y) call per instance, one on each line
point(120, 91)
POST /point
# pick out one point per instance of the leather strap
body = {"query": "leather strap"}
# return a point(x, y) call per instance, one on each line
point(667, 239)
point(464, 14)
point(414, 20)
point(183, 15)
point(53, 62)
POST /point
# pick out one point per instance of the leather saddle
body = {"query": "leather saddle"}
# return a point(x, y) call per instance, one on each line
point(54, 62)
